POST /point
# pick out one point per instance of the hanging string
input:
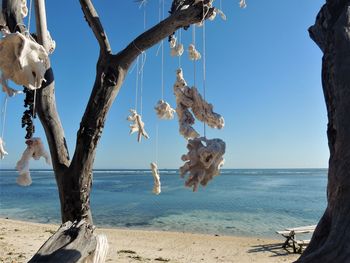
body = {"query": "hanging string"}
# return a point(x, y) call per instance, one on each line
point(143, 60)
point(29, 15)
point(220, 4)
point(194, 61)
point(162, 71)
point(157, 132)
point(204, 71)
point(4, 117)
point(180, 39)
point(137, 82)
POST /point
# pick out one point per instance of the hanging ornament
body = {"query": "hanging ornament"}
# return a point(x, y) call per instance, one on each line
point(164, 110)
point(35, 149)
point(176, 49)
point(156, 179)
point(242, 4)
point(137, 125)
point(189, 98)
point(23, 60)
point(193, 53)
point(219, 12)
point(51, 44)
point(203, 161)
point(24, 8)
point(7, 89)
point(2, 149)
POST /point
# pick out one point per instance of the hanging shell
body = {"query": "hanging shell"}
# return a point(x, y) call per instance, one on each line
point(242, 4)
point(23, 60)
point(203, 161)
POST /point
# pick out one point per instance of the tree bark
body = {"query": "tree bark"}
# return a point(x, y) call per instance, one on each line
point(331, 32)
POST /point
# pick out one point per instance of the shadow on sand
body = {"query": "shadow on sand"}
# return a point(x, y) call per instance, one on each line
point(276, 250)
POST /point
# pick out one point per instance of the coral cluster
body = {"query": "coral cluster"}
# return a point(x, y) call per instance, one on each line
point(164, 110)
point(193, 53)
point(23, 60)
point(203, 161)
point(137, 125)
point(35, 149)
point(176, 49)
point(189, 98)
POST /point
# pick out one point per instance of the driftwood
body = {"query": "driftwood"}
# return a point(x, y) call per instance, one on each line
point(72, 243)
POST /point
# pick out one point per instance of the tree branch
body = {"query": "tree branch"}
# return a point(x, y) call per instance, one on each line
point(181, 18)
point(93, 20)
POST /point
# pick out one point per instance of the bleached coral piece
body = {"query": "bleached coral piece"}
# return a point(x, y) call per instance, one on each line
point(23, 60)
point(193, 53)
point(215, 12)
point(7, 89)
point(172, 41)
point(164, 110)
point(24, 8)
point(2, 149)
point(203, 161)
point(35, 149)
point(137, 125)
point(178, 50)
point(156, 179)
point(189, 98)
point(242, 4)
point(51, 44)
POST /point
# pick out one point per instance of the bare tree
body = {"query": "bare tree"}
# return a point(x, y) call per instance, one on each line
point(331, 240)
point(74, 177)
point(331, 32)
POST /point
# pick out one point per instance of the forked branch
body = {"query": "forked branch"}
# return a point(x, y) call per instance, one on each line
point(94, 22)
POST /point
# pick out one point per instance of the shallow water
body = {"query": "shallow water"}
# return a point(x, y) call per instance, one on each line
point(238, 202)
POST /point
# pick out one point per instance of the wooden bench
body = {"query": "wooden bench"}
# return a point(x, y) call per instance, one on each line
point(291, 241)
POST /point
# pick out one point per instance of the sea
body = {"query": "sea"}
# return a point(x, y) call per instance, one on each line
point(240, 202)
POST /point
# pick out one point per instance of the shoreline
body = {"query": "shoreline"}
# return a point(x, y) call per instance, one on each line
point(20, 240)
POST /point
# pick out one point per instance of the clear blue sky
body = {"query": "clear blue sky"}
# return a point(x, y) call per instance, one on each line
point(263, 76)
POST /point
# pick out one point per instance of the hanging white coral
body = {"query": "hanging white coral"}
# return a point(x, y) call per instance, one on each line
point(242, 4)
point(24, 8)
point(193, 53)
point(164, 110)
point(203, 161)
point(23, 60)
point(51, 44)
point(7, 89)
point(189, 98)
point(156, 179)
point(217, 11)
point(2, 149)
point(178, 50)
point(35, 149)
point(137, 125)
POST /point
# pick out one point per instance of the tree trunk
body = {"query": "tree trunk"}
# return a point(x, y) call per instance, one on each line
point(331, 32)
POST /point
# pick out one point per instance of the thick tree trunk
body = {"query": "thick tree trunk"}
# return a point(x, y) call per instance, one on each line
point(331, 32)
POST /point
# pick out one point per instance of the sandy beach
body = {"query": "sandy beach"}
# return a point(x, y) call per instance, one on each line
point(20, 240)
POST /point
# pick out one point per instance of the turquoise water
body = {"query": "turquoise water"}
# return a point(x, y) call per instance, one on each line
point(238, 202)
